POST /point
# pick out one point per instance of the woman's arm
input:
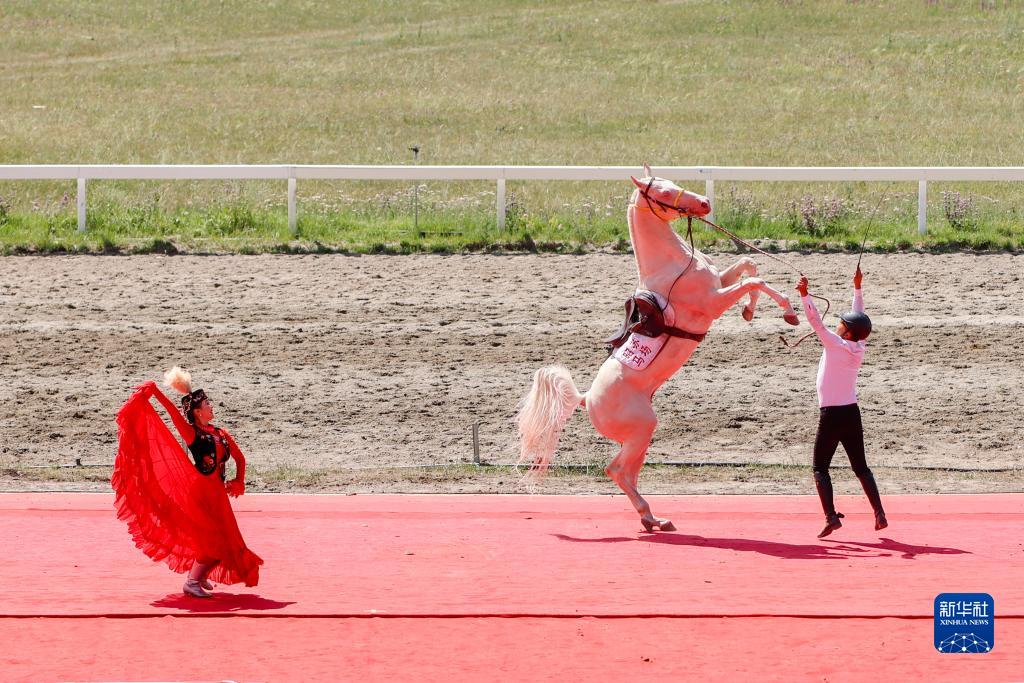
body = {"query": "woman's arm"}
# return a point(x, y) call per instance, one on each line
point(236, 486)
point(858, 296)
point(827, 336)
point(188, 434)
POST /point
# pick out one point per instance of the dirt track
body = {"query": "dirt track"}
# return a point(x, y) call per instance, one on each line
point(335, 361)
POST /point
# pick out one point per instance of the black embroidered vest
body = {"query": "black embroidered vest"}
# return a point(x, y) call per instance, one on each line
point(204, 451)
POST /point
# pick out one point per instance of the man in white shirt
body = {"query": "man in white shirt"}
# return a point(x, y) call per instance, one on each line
point(840, 420)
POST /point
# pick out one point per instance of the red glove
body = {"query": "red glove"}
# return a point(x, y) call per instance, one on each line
point(858, 277)
point(802, 285)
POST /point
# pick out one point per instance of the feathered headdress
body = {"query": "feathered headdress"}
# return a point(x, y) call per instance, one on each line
point(180, 380)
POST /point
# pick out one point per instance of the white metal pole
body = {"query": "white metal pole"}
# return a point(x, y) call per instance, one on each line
point(81, 205)
point(292, 213)
point(922, 207)
point(415, 149)
point(501, 204)
point(709, 192)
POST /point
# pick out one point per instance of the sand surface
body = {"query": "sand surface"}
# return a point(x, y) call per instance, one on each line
point(361, 361)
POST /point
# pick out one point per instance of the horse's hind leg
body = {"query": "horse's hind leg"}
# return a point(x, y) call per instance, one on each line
point(624, 470)
point(650, 521)
point(623, 414)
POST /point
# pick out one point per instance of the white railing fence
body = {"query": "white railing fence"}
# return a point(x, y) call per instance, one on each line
point(500, 174)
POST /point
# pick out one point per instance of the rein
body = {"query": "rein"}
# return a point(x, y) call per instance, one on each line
point(735, 238)
point(748, 245)
point(690, 217)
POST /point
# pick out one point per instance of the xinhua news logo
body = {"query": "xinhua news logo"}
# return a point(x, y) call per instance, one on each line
point(965, 623)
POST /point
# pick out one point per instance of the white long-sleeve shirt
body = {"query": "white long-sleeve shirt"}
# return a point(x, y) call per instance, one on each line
point(841, 359)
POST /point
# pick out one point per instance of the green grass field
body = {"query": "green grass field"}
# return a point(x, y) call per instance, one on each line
point(770, 82)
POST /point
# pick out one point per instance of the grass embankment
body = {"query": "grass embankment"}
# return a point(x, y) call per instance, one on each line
point(770, 82)
point(832, 223)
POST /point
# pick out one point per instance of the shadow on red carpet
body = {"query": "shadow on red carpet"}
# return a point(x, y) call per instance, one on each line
point(218, 602)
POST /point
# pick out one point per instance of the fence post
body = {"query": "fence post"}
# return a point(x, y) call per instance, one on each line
point(922, 207)
point(81, 205)
point(501, 204)
point(476, 443)
point(709, 192)
point(292, 214)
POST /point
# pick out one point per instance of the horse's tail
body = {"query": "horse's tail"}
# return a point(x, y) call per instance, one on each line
point(543, 413)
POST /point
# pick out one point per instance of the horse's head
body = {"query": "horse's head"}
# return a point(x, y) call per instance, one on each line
point(666, 199)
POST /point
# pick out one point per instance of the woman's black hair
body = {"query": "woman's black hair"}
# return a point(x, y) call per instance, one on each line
point(189, 402)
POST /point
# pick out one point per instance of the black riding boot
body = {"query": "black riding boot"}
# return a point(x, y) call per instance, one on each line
point(823, 483)
point(867, 481)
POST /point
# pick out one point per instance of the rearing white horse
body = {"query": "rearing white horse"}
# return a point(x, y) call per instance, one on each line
point(691, 294)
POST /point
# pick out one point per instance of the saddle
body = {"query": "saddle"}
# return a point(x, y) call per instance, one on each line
point(644, 316)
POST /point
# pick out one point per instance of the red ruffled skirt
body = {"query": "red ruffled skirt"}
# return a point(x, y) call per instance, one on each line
point(174, 514)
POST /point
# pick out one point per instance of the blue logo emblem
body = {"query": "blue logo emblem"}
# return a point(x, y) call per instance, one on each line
point(964, 623)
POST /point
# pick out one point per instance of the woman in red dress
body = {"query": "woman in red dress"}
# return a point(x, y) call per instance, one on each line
point(178, 511)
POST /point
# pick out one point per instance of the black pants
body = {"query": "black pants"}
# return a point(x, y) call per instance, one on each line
point(840, 425)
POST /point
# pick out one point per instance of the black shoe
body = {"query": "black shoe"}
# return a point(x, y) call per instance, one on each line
point(831, 524)
point(867, 482)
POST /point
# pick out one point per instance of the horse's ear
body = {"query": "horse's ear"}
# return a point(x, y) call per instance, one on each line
point(638, 183)
point(647, 171)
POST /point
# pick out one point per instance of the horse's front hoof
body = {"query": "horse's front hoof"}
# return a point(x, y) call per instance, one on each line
point(748, 314)
point(791, 318)
point(666, 525)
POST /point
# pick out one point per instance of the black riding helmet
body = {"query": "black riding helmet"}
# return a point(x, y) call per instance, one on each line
point(857, 323)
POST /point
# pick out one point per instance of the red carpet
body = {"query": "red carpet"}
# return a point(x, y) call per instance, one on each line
point(421, 560)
